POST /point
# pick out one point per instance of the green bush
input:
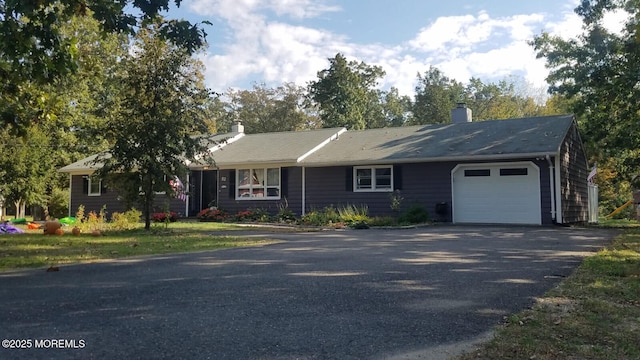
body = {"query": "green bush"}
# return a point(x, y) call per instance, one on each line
point(133, 216)
point(261, 215)
point(383, 221)
point(351, 214)
point(59, 203)
point(415, 214)
point(286, 216)
point(125, 221)
point(119, 222)
point(328, 215)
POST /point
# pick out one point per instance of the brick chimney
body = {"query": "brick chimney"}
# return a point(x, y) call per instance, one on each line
point(461, 114)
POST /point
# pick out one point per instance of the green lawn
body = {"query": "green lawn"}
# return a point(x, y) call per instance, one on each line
point(33, 249)
point(593, 314)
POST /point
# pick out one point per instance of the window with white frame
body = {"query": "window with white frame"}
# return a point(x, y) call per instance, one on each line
point(373, 178)
point(94, 186)
point(258, 184)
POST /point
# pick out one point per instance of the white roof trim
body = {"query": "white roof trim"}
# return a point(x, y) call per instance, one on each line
point(218, 146)
point(321, 145)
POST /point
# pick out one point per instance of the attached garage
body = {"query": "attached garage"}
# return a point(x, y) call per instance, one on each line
point(497, 193)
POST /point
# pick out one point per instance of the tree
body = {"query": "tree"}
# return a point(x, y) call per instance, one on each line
point(435, 96)
point(81, 101)
point(396, 109)
point(69, 104)
point(598, 73)
point(345, 92)
point(24, 164)
point(494, 101)
point(265, 109)
point(161, 112)
point(33, 52)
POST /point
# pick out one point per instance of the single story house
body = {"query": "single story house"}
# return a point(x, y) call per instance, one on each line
point(516, 171)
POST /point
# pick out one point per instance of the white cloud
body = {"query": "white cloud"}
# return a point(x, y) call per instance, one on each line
point(266, 47)
point(300, 8)
point(468, 31)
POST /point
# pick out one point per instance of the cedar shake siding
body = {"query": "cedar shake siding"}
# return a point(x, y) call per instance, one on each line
point(573, 179)
point(110, 199)
point(290, 193)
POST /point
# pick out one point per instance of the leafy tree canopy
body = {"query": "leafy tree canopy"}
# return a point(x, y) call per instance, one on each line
point(264, 109)
point(33, 51)
point(345, 91)
point(598, 73)
point(161, 112)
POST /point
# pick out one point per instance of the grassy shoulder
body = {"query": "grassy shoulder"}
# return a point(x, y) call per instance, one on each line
point(593, 314)
point(33, 249)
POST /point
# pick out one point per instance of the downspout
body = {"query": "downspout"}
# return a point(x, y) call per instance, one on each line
point(70, 183)
point(185, 191)
point(201, 179)
point(552, 189)
point(304, 191)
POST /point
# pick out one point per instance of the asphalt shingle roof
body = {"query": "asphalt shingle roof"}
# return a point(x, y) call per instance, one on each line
point(524, 137)
point(537, 136)
point(277, 147)
point(89, 164)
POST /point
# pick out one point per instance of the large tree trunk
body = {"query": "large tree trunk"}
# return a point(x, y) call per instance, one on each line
point(20, 208)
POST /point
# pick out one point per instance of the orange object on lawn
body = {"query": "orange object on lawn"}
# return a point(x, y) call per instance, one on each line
point(33, 226)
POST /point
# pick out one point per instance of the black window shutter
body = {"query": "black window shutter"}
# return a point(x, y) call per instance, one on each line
point(397, 177)
point(284, 182)
point(103, 187)
point(232, 184)
point(349, 178)
point(85, 185)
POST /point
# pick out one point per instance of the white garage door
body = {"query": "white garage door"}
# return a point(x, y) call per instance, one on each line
point(501, 193)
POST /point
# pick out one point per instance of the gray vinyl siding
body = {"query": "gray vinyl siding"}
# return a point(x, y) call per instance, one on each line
point(110, 199)
point(195, 200)
point(290, 187)
point(573, 179)
point(423, 184)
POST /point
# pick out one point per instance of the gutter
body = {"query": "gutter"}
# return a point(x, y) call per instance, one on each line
point(458, 158)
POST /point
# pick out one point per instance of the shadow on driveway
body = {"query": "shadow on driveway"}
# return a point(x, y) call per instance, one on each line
point(353, 294)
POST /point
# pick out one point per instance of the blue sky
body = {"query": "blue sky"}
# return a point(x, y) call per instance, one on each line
point(277, 41)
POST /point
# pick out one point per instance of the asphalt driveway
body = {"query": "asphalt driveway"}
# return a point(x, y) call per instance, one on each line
point(355, 294)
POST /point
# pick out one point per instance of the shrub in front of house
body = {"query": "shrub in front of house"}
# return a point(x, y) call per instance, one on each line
point(286, 216)
point(328, 215)
point(125, 221)
point(354, 216)
point(158, 217)
point(415, 214)
point(213, 214)
point(383, 221)
point(242, 216)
